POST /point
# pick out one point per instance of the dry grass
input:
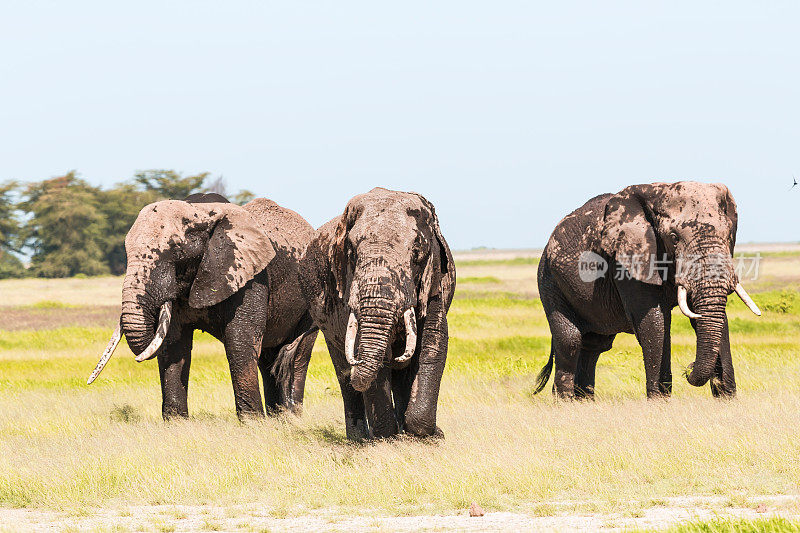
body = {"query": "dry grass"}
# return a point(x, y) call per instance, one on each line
point(65, 445)
point(52, 315)
point(104, 291)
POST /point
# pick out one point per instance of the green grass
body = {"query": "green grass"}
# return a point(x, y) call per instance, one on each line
point(767, 525)
point(784, 253)
point(479, 279)
point(49, 304)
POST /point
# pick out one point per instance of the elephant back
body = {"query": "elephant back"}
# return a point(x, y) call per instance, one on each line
point(290, 233)
point(288, 230)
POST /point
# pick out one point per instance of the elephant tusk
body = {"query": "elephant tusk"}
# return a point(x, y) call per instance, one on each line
point(350, 341)
point(164, 318)
point(747, 300)
point(109, 351)
point(683, 305)
point(410, 319)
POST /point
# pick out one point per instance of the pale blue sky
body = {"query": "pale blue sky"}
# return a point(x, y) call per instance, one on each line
point(507, 115)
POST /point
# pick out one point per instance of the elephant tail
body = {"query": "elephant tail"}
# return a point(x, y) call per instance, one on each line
point(544, 374)
point(283, 367)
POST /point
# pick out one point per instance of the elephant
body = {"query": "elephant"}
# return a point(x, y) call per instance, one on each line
point(373, 277)
point(593, 284)
point(205, 263)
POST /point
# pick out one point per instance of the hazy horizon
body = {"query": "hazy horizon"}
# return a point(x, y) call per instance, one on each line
point(506, 116)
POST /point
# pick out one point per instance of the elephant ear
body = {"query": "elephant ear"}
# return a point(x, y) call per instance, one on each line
point(628, 235)
point(439, 274)
point(728, 207)
point(237, 250)
point(337, 254)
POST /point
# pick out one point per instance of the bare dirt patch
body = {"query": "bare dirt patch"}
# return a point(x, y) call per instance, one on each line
point(34, 318)
point(252, 518)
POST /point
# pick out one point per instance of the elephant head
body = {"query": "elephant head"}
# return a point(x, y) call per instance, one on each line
point(388, 258)
point(682, 233)
point(202, 250)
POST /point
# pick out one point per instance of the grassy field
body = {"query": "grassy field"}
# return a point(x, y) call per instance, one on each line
point(66, 447)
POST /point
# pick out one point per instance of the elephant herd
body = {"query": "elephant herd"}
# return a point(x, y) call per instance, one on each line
point(378, 281)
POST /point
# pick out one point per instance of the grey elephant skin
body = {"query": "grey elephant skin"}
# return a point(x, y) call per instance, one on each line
point(685, 223)
point(373, 278)
point(208, 264)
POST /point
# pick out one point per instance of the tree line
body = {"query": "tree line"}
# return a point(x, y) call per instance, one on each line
point(64, 226)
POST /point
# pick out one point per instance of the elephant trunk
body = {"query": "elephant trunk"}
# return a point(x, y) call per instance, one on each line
point(709, 281)
point(710, 329)
point(144, 305)
point(137, 320)
point(375, 325)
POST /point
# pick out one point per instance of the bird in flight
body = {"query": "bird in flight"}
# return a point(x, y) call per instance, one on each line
point(793, 184)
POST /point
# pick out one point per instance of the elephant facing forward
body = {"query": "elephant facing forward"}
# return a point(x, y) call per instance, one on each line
point(375, 277)
point(621, 263)
point(208, 264)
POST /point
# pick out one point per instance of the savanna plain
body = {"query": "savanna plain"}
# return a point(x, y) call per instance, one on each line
point(75, 457)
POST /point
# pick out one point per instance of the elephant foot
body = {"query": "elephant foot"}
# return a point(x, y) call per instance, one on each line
point(564, 385)
point(422, 427)
point(356, 429)
point(250, 416)
point(172, 413)
point(283, 408)
point(296, 408)
point(657, 393)
point(720, 390)
point(564, 396)
point(437, 435)
point(584, 393)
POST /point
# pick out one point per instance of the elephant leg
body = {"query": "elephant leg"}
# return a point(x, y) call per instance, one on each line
point(243, 349)
point(354, 413)
point(174, 361)
point(272, 392)
point(378, 405)
point(654, 339)
point(420, 417)
point(567, 342)
point(665, 372)
point(646, 310)
point(593, 345)
point(402, 378)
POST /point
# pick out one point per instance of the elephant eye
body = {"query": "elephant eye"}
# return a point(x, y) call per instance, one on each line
point(673, 237)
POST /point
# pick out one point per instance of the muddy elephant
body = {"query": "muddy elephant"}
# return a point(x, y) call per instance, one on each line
point(621, 263)
point(374, 277)
point(208, 264)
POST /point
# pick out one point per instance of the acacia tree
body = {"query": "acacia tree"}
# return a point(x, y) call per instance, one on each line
point(168, 184)
point(242, 197)
point(120, 206)
point(10, 265)
point(73, 228)
point(65, 229)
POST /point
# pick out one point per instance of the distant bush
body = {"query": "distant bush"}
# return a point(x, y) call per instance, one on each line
point(11, 267)
point(782, 302)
